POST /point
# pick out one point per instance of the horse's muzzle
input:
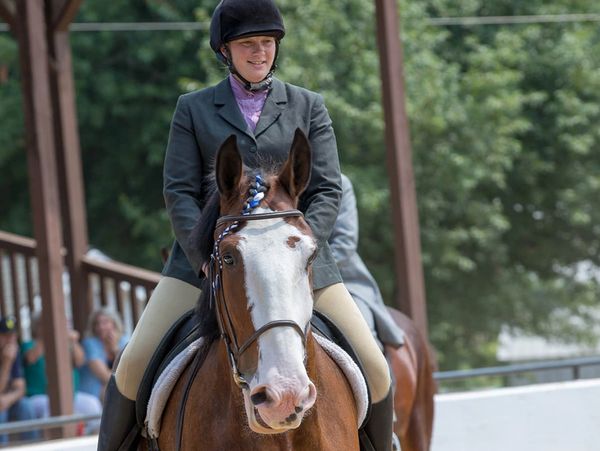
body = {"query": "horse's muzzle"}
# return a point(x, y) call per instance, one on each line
point(282, 410)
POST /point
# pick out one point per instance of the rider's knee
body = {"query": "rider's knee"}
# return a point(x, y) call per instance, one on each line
point(129, 371)
point(379, 379)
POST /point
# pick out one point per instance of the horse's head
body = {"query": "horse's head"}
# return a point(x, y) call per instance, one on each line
point(261, 273)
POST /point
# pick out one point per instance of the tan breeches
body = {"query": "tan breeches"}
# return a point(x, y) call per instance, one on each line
point(172, 298)
point(169, 301)
point(337, 304)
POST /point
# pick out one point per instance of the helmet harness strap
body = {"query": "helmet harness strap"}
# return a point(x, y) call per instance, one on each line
point(262, 85)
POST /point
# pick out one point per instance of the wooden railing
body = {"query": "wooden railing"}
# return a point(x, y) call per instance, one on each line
point(18, 275)
point(120, 286)
point(123, 287)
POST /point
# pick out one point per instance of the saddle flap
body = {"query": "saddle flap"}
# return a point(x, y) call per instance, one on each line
point(181, 334)
point(326, 328)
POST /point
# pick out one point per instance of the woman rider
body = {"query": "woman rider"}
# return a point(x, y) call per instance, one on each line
point(263, 112)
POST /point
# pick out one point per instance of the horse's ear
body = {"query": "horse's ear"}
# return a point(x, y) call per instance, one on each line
point(228, 168)
point(295, 174)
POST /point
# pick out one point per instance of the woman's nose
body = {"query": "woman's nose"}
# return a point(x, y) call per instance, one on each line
point(260, 47)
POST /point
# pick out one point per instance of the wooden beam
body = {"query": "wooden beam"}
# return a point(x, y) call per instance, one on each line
point(63, 13)
point(45, 200)
point(70, 174)
point(408, 265)
point(8, 13)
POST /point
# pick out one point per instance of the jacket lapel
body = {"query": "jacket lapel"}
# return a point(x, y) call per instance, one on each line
point(274, 104)
point(228, 109)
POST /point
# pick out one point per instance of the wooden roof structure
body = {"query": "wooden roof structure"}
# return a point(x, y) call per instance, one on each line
point(41, 28)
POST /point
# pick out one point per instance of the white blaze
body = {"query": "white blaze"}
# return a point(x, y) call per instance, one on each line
point(278, 289)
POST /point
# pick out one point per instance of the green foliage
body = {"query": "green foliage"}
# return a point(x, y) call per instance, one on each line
point(14, 200)
point(503, 128)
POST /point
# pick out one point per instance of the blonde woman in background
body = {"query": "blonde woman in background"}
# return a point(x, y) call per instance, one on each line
point(103, 342)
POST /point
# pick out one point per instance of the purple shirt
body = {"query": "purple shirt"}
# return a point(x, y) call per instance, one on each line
point(250, 103)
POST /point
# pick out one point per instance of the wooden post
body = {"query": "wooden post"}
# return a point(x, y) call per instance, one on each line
point(408, 265)
point(31, 32)
point(70, 176)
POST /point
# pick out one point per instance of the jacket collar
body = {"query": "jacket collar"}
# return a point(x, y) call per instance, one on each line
point(228, 109)
point(275, 103)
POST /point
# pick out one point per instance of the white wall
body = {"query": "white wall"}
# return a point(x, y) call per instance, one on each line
point(562, 416)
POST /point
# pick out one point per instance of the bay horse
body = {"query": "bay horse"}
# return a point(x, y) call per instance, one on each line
point(267, 384)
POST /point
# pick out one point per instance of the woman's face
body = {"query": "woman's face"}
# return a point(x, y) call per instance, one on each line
point(105, 326)
point(253, 57)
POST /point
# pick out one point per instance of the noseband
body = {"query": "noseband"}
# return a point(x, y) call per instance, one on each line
point(234, 350)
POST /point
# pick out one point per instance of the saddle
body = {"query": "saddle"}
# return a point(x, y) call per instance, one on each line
point(178, 338)
point(183, 339)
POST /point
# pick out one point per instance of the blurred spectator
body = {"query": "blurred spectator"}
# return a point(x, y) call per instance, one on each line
point(37, 382)
point(13, 404)
point(104, 340)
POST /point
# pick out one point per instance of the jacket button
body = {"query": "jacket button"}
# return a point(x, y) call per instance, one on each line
point(252, 148)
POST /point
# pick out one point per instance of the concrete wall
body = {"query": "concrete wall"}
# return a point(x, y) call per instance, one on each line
point(561, 416)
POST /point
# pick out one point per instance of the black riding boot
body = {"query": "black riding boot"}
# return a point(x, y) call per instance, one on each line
point(380, 425)
point(118, 428)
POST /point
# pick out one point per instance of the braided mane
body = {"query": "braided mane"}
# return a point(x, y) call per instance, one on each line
point(202, 238)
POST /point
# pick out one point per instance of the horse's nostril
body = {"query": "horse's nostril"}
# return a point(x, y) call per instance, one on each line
point(259, 398)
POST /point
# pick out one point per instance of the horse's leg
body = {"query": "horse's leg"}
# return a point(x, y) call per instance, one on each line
point(415, 393)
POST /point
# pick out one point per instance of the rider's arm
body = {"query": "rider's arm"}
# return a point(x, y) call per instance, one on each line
point(321, 200)
point(182, 180)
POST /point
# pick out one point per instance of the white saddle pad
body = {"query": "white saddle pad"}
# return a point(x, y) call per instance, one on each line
point(169, 377)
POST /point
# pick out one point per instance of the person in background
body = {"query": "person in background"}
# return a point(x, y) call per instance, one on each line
point(104, 340)
point(14, 406)
point(37, 382)
point(355, 274)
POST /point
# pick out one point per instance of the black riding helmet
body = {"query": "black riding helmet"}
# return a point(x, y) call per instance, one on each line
point(234, 19)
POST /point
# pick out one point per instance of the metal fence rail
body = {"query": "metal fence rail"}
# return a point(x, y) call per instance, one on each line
point(44, 423)
point(575, 364)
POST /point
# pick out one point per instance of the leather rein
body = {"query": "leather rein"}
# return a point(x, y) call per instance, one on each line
point(234, 350)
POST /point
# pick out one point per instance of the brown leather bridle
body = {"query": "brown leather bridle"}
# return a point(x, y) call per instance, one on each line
point(234, 350)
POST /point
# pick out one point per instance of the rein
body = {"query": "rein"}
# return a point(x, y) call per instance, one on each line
point(234, 350)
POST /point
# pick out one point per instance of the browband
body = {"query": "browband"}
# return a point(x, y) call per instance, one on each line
point(271, 215)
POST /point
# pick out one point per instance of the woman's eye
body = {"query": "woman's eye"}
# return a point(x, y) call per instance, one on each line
point(228, 259)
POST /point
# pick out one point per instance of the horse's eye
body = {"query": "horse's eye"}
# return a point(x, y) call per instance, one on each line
point(228, 259)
